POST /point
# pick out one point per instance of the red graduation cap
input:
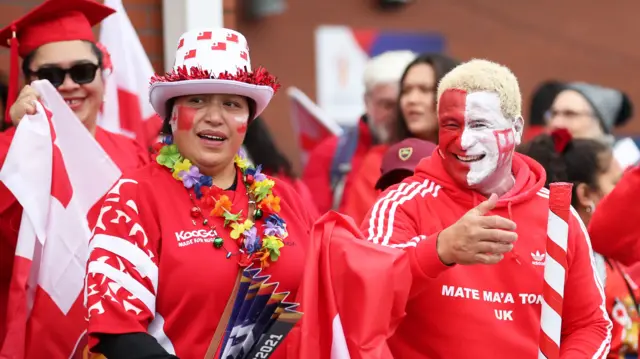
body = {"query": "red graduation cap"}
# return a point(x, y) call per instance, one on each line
point(52, 21)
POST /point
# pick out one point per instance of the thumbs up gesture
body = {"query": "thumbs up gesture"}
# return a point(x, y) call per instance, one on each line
point(477, 238)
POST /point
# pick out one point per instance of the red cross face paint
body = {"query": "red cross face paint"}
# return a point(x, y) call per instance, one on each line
point(476, 140)
point(183, 118)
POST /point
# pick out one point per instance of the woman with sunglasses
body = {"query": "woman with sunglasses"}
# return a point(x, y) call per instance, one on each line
point(173, 236)
point(56, 43)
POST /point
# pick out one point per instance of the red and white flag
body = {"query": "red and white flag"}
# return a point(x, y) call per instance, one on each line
point(310, 123)
point(353, 294)
point(126, 108)
point(57, 172)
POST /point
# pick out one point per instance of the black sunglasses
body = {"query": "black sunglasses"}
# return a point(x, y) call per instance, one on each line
point(80, 73)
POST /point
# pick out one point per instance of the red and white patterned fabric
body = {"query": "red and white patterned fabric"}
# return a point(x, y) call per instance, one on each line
point(154, 269)
point(57, 172)
point(213, 61)
point(556, 267)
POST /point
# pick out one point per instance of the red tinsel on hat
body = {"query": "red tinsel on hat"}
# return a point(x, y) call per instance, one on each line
point(259, 77)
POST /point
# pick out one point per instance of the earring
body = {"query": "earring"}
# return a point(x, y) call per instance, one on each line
point(591, 208)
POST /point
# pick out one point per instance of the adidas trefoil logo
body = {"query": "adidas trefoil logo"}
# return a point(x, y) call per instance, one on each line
point(538, 258)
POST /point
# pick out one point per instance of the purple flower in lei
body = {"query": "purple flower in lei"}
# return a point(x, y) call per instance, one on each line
point(242, 153)
point(251, 240)
point(257, 174)
point(191, 177)
point(275, 226)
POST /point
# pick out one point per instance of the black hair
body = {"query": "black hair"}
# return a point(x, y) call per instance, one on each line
point(542, 100)
point(262, 150)
point(581, 161)
point(4, 94)
point(27, 60)
point(441, 65)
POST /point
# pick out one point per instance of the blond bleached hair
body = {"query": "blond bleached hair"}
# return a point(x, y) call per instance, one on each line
point(482, 75)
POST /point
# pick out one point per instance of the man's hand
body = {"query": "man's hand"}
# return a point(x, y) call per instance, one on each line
point(477, 238)
point(25, 104)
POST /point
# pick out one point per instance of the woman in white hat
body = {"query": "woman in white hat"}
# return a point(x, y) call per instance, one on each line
point(172, 237)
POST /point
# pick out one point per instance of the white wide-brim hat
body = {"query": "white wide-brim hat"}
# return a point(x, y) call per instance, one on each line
point(212, 61)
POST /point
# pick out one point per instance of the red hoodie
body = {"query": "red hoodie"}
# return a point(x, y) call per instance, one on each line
point(614, 226)
point(485, 311)
point(317, 173)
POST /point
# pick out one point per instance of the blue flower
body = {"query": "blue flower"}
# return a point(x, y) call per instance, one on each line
point(251, 240)
point(275, 226)
point(206, 181)
point(167, 139)
point(276, 220)
point(203, 180)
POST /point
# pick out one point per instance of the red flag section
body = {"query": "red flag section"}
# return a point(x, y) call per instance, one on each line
point(353, 294)
point(127, 109)
point(311, 125)
point(57, 172)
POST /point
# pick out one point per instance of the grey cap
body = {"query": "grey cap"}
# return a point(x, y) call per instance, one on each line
point(612, 107)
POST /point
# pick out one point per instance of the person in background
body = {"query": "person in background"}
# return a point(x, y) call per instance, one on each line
point(56, 43)
point(416, 118)
point(541, 102)
point(473, 220)
point(617, 217)
point(262, 150)
point(400, 161)
point(332, 164)
point(589, 111)
point(589, 165)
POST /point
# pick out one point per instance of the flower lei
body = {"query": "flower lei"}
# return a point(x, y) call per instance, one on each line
point(254, 246)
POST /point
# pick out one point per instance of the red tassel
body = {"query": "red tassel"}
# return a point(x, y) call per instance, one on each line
point(259, 77)
point(14, 75)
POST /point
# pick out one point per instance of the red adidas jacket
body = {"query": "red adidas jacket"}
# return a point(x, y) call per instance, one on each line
point(614, 226)
point(317, 173)
point(485, 311)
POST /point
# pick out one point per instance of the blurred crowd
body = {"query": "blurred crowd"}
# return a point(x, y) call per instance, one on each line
point(569, 131)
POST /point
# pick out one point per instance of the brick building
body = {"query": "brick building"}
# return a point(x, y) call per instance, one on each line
point(569, 40)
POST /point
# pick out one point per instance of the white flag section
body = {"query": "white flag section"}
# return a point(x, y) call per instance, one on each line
point(57, 172)
point(126, 107)
point(311, 125)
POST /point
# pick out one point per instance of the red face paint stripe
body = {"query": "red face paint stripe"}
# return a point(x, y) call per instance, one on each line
point(185, 117)
point(451, 113)
point(506, 144)
point(452, 104)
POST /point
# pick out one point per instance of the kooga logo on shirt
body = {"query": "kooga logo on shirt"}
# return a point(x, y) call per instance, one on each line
point(186, 238)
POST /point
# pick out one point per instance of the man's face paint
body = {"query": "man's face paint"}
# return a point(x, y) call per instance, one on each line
point(182, 118)
point(476, 140)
